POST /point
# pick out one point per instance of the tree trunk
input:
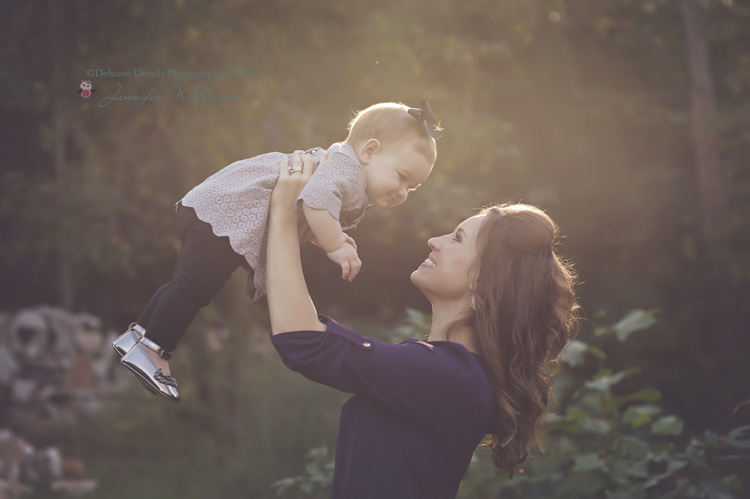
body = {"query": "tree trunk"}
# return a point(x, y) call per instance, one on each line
point(703, 110)
point(723, 322)
point(59, 137)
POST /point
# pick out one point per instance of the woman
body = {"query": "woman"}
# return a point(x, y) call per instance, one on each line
point(503, 309)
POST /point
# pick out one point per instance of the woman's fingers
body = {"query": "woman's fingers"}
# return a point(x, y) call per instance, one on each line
point(290, 184)
point(307, 163)
point(284, 168)
point(296, 163)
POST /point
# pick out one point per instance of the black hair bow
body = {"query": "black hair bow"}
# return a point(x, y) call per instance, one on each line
point(429, 121)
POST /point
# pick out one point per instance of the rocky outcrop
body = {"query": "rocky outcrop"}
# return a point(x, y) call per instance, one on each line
point(57, 368)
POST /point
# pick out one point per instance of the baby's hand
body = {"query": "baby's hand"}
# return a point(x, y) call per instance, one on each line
point(346, 256)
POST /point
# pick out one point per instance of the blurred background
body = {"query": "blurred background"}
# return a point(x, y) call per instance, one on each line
point(627, 121)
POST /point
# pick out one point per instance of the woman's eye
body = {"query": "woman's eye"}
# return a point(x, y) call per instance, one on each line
point(457, 238)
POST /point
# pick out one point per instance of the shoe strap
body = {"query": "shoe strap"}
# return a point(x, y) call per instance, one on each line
point(155, 347)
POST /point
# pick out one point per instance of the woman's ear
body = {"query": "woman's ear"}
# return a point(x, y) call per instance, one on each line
point(368, 150)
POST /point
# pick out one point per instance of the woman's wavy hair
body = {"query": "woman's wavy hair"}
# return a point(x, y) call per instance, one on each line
point(526, 312)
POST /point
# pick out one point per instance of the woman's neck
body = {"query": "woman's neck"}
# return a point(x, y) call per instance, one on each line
point(442, 318)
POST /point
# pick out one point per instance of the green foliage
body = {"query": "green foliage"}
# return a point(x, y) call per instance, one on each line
point(607, 442)
point(416, 325)
point(316, 480)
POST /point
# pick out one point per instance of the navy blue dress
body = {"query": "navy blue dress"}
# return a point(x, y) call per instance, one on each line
point(418, 412)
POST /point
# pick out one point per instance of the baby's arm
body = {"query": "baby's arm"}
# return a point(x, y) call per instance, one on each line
point(338, 246)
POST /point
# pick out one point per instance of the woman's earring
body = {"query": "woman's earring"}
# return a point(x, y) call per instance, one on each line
point(473, 303)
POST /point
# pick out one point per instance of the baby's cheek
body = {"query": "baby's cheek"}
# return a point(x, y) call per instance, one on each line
point(377, 186)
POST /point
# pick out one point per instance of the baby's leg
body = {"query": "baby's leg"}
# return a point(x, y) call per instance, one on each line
point(147, 312)
point(204, 264)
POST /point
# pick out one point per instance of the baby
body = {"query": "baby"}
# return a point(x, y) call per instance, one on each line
point(390, 151)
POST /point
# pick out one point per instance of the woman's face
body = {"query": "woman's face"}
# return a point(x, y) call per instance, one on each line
point(449, 270)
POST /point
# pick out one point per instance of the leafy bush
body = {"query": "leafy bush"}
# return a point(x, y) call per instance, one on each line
point(314, 482)
point(605, 443)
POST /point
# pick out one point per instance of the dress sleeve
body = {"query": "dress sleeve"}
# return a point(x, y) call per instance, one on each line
point(412, 377)
point(328, 188)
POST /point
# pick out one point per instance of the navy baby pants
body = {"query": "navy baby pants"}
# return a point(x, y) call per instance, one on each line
point(204, 264)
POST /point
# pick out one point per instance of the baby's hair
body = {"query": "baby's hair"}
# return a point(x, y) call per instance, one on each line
point(390, 123)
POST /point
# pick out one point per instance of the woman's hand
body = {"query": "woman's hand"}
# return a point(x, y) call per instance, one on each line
point(290, 185)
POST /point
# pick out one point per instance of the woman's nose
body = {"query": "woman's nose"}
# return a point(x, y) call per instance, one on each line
point(434, 243)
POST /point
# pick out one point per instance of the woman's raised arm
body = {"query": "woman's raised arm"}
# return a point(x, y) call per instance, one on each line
point(289, 302)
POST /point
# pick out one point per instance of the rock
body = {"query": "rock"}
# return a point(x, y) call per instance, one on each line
point(73, 468)
point(55, 367)
point(22, 466)
point(80, 374)
point(75, 487)
point(8, 366)
point(28, 336)
point(22, 391)
point(11, 454)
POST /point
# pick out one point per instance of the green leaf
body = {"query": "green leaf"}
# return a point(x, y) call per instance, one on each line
point(597, 352)
point(644, 395)
point(603, 330)
point(605, 382)
point(740, 437)
point(634, 447)
point(734, 482)
point(574, 354)
point(639, 415)
point(716, 488)
point(587, 462)
point(635, 320)
point(583, 484)
point(596, 426)
point(618, 494)
point(673, 465)
point(415, 317)
point(667, 425)
point(623, 469)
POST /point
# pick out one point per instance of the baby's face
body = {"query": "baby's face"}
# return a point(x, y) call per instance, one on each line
point(392, 172)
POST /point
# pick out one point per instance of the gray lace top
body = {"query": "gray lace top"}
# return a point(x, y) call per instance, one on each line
point(235, 201)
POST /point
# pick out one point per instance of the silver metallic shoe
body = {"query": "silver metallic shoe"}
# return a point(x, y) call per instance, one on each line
point(150, 375)
point(128, 339)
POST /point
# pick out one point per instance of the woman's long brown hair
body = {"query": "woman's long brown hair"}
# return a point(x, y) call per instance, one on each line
point(526, 312)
